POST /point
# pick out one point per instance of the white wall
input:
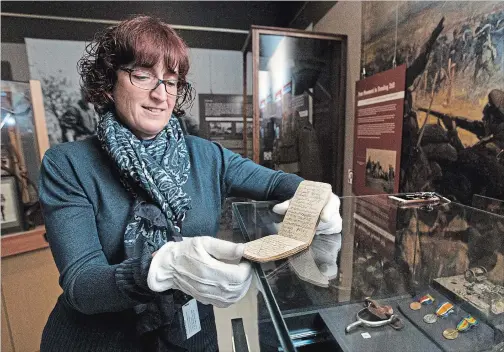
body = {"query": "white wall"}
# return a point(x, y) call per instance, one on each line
point(212, 71)
point(217, 72)
point(345, 18)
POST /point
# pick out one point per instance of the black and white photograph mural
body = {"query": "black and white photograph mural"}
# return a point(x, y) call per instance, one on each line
point(54, 64)
point(68, 117)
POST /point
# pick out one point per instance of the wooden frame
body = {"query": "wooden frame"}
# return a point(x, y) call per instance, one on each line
point(297, 33)
point(339, 111)
point(24, 242)
point(39, 117)
point(10, 205)
point(255, 95)
point(34, 239)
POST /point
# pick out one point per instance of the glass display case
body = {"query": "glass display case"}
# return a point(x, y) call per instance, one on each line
point(431, 278)
point(298, 101)
point(24, 141)
point(491, 205)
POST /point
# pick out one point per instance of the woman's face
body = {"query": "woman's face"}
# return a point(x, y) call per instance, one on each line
point(145, 112)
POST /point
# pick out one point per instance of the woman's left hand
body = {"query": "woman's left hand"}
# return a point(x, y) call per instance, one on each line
point(330, 218)
point(325, 249)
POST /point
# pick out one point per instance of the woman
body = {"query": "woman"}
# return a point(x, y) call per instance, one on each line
point(132, 213)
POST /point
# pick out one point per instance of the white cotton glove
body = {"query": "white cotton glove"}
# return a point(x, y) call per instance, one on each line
point(325, 249)
point(330, 218)
point(196, 267)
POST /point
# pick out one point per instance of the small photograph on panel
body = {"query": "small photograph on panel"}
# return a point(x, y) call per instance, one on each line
point(220, 129)
point(380, 169)
point(239, 129)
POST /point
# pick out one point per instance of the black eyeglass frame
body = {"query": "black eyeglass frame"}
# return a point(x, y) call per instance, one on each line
point(182, 85)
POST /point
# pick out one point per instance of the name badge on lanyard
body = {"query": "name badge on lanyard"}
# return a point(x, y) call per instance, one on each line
point(191, 318)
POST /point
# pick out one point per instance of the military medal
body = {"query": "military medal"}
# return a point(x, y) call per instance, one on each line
point(415, 305)
point(426, 300)
point(467, 323)
point(477, 274)
point(430, 318)
point(444, 310)
point(497, 307)
point(450, 334)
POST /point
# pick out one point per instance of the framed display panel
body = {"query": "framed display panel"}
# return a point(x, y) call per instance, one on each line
point(298, 101)
point(24, 142)
point(221, 120)
point(10, 206)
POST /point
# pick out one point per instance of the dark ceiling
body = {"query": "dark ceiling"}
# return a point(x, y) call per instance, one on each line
point(220, 14)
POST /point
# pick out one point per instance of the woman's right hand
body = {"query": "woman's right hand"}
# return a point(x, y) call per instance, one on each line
point(202, 267)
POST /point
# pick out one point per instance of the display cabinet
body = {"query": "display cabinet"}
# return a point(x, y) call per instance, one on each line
point(298, 101)
point(432, 276)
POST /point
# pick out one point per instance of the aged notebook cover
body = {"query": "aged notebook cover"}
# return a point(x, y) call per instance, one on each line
point(298, 227)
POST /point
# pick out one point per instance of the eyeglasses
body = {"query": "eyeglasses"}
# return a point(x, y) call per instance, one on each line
point(147, 81)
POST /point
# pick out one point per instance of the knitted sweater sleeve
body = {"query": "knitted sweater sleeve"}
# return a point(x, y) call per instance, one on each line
point(244, 178)
point(90, 284)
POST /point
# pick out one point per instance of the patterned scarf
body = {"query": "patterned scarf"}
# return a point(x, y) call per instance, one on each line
point(154, 173)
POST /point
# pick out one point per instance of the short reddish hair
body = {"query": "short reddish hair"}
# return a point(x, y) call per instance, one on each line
point(141, 41)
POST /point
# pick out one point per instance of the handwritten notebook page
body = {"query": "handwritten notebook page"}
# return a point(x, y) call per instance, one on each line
point(298, 227)
point(274, 246)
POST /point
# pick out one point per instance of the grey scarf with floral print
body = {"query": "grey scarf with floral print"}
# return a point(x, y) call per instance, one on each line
point(154, 173)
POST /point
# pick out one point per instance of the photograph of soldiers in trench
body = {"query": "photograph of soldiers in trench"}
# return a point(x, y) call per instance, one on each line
point(380, 170)
point(453, 128)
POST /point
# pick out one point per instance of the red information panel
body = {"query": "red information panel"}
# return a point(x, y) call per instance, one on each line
point(378, 132)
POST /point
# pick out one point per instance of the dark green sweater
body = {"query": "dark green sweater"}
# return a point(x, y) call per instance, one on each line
point(86, 209)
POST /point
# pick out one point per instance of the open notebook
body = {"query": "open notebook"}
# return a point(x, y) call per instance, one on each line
point(298, 227)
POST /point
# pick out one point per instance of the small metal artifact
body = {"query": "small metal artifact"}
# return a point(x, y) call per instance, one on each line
point(477, 274)
point(450, 334)
point(415, 305)
point(430, 318)
point(381, 311)
point(497, 306)
point(376, 315)
point(364, 318)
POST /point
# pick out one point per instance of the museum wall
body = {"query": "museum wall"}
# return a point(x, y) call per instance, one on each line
point(212, 71)
point(15, 54)
point(459, 157)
